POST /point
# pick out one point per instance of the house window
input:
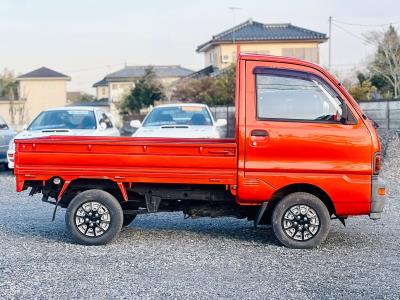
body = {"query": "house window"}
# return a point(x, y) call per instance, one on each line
point(114, 86)
point(310, 54)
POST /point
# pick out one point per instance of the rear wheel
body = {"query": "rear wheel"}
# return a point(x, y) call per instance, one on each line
point(94, 217)
point(300, 220)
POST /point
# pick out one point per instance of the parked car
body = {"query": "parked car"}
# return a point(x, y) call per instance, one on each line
point(6, 135)
point(180, 121)
point(73, 120)
point(304, 153)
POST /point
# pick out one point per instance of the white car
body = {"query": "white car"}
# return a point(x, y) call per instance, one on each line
point(74, 120)
point(179, 121)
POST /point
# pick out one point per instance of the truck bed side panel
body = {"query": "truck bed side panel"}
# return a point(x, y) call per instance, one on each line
point(200, 161)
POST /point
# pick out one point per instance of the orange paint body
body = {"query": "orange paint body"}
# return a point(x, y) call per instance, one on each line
point(336, 158)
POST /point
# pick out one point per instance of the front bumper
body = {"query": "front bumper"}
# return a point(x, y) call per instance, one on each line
point(378, 197)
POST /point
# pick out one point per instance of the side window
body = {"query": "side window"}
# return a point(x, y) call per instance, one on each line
point(103, 118)
point(296, 98)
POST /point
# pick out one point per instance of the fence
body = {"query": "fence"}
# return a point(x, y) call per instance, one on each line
point(384, 112)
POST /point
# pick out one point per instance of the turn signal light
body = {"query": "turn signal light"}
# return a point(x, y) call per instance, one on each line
point(381, 191)
point(377, 163)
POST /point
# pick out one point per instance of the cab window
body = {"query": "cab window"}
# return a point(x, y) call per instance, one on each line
point(293, 97)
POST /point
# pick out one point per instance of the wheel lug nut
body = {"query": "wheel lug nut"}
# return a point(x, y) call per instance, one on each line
point(96, 215)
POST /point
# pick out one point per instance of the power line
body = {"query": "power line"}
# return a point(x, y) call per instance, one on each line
point(351, 33)
point(366, 25)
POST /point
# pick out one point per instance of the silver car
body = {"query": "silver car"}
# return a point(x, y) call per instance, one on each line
point(72, 120)
point(6, 135)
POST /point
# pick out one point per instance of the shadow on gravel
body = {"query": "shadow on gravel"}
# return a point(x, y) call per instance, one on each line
point(147, 228)
point(245, 233)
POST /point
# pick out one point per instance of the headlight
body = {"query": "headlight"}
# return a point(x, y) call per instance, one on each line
point(11, 145)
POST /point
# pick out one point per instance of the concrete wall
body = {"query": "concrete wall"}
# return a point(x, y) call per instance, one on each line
point(223, 55)
point(385, 113)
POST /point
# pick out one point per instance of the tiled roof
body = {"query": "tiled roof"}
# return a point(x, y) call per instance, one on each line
point(255, 31)
point(132, 72)
point(102, 82)
point(43, 73)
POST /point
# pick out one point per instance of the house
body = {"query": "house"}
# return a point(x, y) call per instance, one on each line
point(115, 85)
point(37, 90)
point(255, 37)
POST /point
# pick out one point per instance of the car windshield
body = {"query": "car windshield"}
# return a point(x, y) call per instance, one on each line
point(64, 119)
point(3, 124)
point(179, 115)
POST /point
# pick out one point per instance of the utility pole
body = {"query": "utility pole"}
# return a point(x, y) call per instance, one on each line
point(330, 44)
point(234, 9)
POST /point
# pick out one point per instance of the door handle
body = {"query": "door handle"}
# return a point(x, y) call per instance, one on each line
point(259, 133)
point(258, 137)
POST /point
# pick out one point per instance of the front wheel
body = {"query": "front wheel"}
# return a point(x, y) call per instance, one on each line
point(94, 217)
point(300, 220)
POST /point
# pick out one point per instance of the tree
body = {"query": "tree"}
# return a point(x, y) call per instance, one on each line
point(9, 88)
point(386, 62)
point(218, 90)
point(147, 90)
point(362, 90)
point(86, 98)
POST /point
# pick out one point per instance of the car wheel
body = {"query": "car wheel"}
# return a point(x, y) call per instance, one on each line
point(300, 220)
point(94, 217)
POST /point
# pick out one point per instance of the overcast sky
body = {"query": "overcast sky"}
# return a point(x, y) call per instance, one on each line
point(88, 39)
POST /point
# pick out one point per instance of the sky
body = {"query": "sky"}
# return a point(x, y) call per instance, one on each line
point(86, 39)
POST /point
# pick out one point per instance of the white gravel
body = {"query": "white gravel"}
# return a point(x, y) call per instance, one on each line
point(163, 256)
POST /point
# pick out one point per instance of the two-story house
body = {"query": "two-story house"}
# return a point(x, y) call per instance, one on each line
point(255, 37)
point(37, 90)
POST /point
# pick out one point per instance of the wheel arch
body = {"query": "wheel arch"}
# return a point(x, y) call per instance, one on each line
point(76, 186)
point(303, 187)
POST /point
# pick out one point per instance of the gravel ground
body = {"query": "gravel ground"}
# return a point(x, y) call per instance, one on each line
point(165, 256)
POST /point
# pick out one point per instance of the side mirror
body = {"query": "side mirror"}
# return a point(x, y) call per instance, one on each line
point(221, 122)
point(136, 124)
point(25, 127)
point(103, 126)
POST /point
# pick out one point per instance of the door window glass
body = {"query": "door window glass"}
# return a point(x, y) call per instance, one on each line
point(103, 118)
point(296, 98)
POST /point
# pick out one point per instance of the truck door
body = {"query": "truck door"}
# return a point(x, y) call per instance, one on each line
point(298, 129)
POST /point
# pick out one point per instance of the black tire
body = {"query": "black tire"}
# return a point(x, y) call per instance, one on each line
point(128, 219)
point(107, 207)
point(302, 232)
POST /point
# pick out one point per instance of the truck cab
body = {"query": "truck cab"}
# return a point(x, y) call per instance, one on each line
point(304, 153)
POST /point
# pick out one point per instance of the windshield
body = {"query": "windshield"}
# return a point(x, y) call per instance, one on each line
point(3, 124)
point(179, 115)
point(64, 119)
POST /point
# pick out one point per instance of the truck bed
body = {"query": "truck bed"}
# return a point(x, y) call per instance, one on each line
point(155, 160)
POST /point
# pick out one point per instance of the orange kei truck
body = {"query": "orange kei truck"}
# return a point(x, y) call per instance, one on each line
point(304, 153)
